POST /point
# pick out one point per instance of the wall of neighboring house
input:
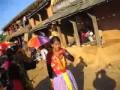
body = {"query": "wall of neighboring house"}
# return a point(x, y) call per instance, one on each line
point(32, 22)
point(44, 14)
point(108, 15)
point(67, 30)
point(7, 33)
point(36, 19)
point(49, 11)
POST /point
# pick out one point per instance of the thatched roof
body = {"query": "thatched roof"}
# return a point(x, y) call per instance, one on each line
point(28, 11)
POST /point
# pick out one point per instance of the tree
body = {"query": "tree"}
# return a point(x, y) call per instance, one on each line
point(2, 37)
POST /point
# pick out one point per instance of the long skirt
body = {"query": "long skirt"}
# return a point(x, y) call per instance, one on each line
point(65, 81)
point(17, 85)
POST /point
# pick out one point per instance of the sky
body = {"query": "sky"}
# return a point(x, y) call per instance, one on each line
point(10, 8)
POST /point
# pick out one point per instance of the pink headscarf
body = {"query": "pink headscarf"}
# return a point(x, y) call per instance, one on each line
point(6, 65)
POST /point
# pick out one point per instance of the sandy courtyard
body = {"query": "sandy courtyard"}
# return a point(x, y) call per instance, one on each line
point(100, 69)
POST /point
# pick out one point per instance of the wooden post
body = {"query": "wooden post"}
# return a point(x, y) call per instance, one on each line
point(61, 35)
point(59, 31)
point(40, 18)
point(26, 37)
point(76, 35)
point(96, 30)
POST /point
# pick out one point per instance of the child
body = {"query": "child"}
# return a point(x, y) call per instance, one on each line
point(60, 76)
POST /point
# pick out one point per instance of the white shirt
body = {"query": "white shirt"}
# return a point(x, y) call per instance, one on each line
point(44, 53)
point(38, 56)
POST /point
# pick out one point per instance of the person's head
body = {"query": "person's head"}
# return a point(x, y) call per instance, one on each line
point(101, 74)
point(43, 47)
point(55, 43)
point(9, 52)
point(81, 59)
point(15, 48)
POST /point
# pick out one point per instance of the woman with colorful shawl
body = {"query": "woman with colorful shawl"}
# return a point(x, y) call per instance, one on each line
point(60, 76)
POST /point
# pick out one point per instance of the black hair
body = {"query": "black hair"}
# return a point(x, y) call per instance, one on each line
point(14, 71)
point(54, 38)
point(12, 50)
point(2, 70)
point(9, 52)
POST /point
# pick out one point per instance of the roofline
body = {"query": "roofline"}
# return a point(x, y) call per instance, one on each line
point(22, 13)
point(35, 11)
point(48, 21)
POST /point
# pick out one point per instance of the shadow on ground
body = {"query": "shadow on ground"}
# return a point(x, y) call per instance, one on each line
point(103, 82)
point(78, 73)
point(111, 42)
point(44, 85)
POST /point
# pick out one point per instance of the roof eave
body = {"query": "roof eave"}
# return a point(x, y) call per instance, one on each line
point(23, 13)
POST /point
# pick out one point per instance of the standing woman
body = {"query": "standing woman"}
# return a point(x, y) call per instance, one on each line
point(61, 78)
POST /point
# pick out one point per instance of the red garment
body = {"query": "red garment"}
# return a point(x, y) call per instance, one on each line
point(50, 54)
point(34, 42)
point(17, 85)
point(55, 62)
point(84, 36)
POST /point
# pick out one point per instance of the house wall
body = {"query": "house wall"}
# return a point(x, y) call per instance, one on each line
point(49, 11)
point(67, 30)
point(36, 19)
point(32, 22)
point(43, 14)
point(108, 15)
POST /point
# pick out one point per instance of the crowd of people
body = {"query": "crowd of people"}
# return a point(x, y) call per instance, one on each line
point(15, 62)
point(87, 36)
point(13, 67)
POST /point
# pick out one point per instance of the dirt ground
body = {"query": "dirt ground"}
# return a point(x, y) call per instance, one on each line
point(99, 69)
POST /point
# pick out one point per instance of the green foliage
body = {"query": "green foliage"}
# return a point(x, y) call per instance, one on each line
point(2, 37)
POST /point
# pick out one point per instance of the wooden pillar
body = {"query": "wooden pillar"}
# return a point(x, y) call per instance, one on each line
point(49, 11)
point(76, 35)
point(59, 31)
point(32, 22)
point(26, 37)
point(40, 18)
point(61, 35)
point(96, 30)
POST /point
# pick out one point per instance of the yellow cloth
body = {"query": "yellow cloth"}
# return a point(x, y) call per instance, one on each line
point(53, 2)
point(54, 33)
point(67, 81)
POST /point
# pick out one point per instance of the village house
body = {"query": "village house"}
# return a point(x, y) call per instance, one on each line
point(68, 18)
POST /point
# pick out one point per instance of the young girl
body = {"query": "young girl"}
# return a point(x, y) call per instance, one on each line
point(60, 76)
